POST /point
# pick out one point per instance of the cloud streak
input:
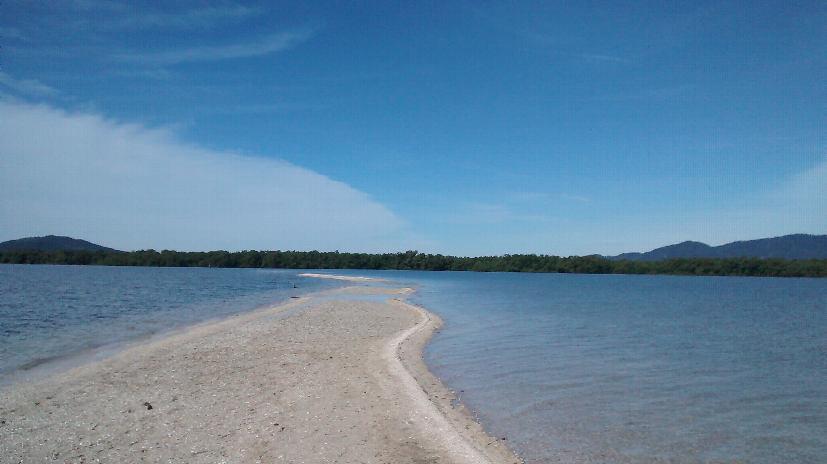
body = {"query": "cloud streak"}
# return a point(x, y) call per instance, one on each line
point(271, 44)
point(127, 16)
point(28, 87)
point(132, 187)
point(206, 17)
point(599, 57)
point(805, 196)
point(13, 33)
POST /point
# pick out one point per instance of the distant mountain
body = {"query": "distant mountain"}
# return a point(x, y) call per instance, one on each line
point(51, 243)
point(798, 246)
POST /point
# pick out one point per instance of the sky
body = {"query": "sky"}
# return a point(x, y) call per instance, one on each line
point(461, 128)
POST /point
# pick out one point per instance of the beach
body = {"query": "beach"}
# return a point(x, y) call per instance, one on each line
point(319, 379)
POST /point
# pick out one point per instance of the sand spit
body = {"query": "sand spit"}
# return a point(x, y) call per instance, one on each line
point(340, 277)
point(328, 383)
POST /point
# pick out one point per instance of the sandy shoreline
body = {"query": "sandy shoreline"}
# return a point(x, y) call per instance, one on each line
point(341, 277)
point(338, 381)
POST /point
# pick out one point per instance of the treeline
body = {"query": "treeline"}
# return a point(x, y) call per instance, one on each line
point(412, 260)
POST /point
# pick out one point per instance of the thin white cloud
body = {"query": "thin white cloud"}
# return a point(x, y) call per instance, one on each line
point(13, 33)
point(131, 187)
point(483, 213)
point(577, 198)
point(28, 87)
point(804, 196)
point(599, 57)
point(519, 29)
point(656, 94)
point(123, 15)
point(529, 197)
point(808, 186)
point(271, 44)
point(205, 17)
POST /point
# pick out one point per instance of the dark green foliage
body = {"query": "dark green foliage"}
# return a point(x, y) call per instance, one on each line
point(412, 260)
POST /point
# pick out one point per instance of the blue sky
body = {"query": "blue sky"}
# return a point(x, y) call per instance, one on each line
point(462, 128)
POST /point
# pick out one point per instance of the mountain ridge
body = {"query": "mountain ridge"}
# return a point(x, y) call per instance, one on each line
point(794, 246)
point(52, 243)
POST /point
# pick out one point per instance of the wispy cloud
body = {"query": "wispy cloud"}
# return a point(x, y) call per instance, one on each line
point(123, 15)
point(653, 94)
point(271, 44)
point(205, 17)
point(13, 33)
point(131, 187)
point(530, 197)
point(559, 46)
point(516, 27)
point(604, 58)
point(805, 197)
point(577, 198)
point(484, 213)
point(27, 87)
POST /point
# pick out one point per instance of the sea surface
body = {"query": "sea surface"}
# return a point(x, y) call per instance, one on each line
point(56, 316)
point(638, 369)
point(567, 368)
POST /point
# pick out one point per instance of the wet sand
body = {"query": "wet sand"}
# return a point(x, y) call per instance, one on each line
point(339, 380)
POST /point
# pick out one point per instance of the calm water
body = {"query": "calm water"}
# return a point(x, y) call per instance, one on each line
point(54, 312)
point(638, 369)
point(569, 368)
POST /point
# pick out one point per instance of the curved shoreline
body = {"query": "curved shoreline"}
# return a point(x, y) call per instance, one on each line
point(460, 434)
point(332, 382)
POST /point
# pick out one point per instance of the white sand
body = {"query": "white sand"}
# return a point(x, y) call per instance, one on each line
point(328, 383)
point(340, 277)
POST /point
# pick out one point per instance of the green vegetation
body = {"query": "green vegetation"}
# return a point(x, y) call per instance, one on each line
point(411, 260)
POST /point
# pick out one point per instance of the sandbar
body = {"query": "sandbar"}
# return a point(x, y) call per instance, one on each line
point(313, 380)
point(341, 277)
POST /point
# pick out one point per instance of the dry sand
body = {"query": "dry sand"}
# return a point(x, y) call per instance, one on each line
point(340, 277)
point(339, 380)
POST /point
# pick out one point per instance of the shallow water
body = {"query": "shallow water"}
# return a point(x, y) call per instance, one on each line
point(49, 314)
point(616, 369)
point(568, 368)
